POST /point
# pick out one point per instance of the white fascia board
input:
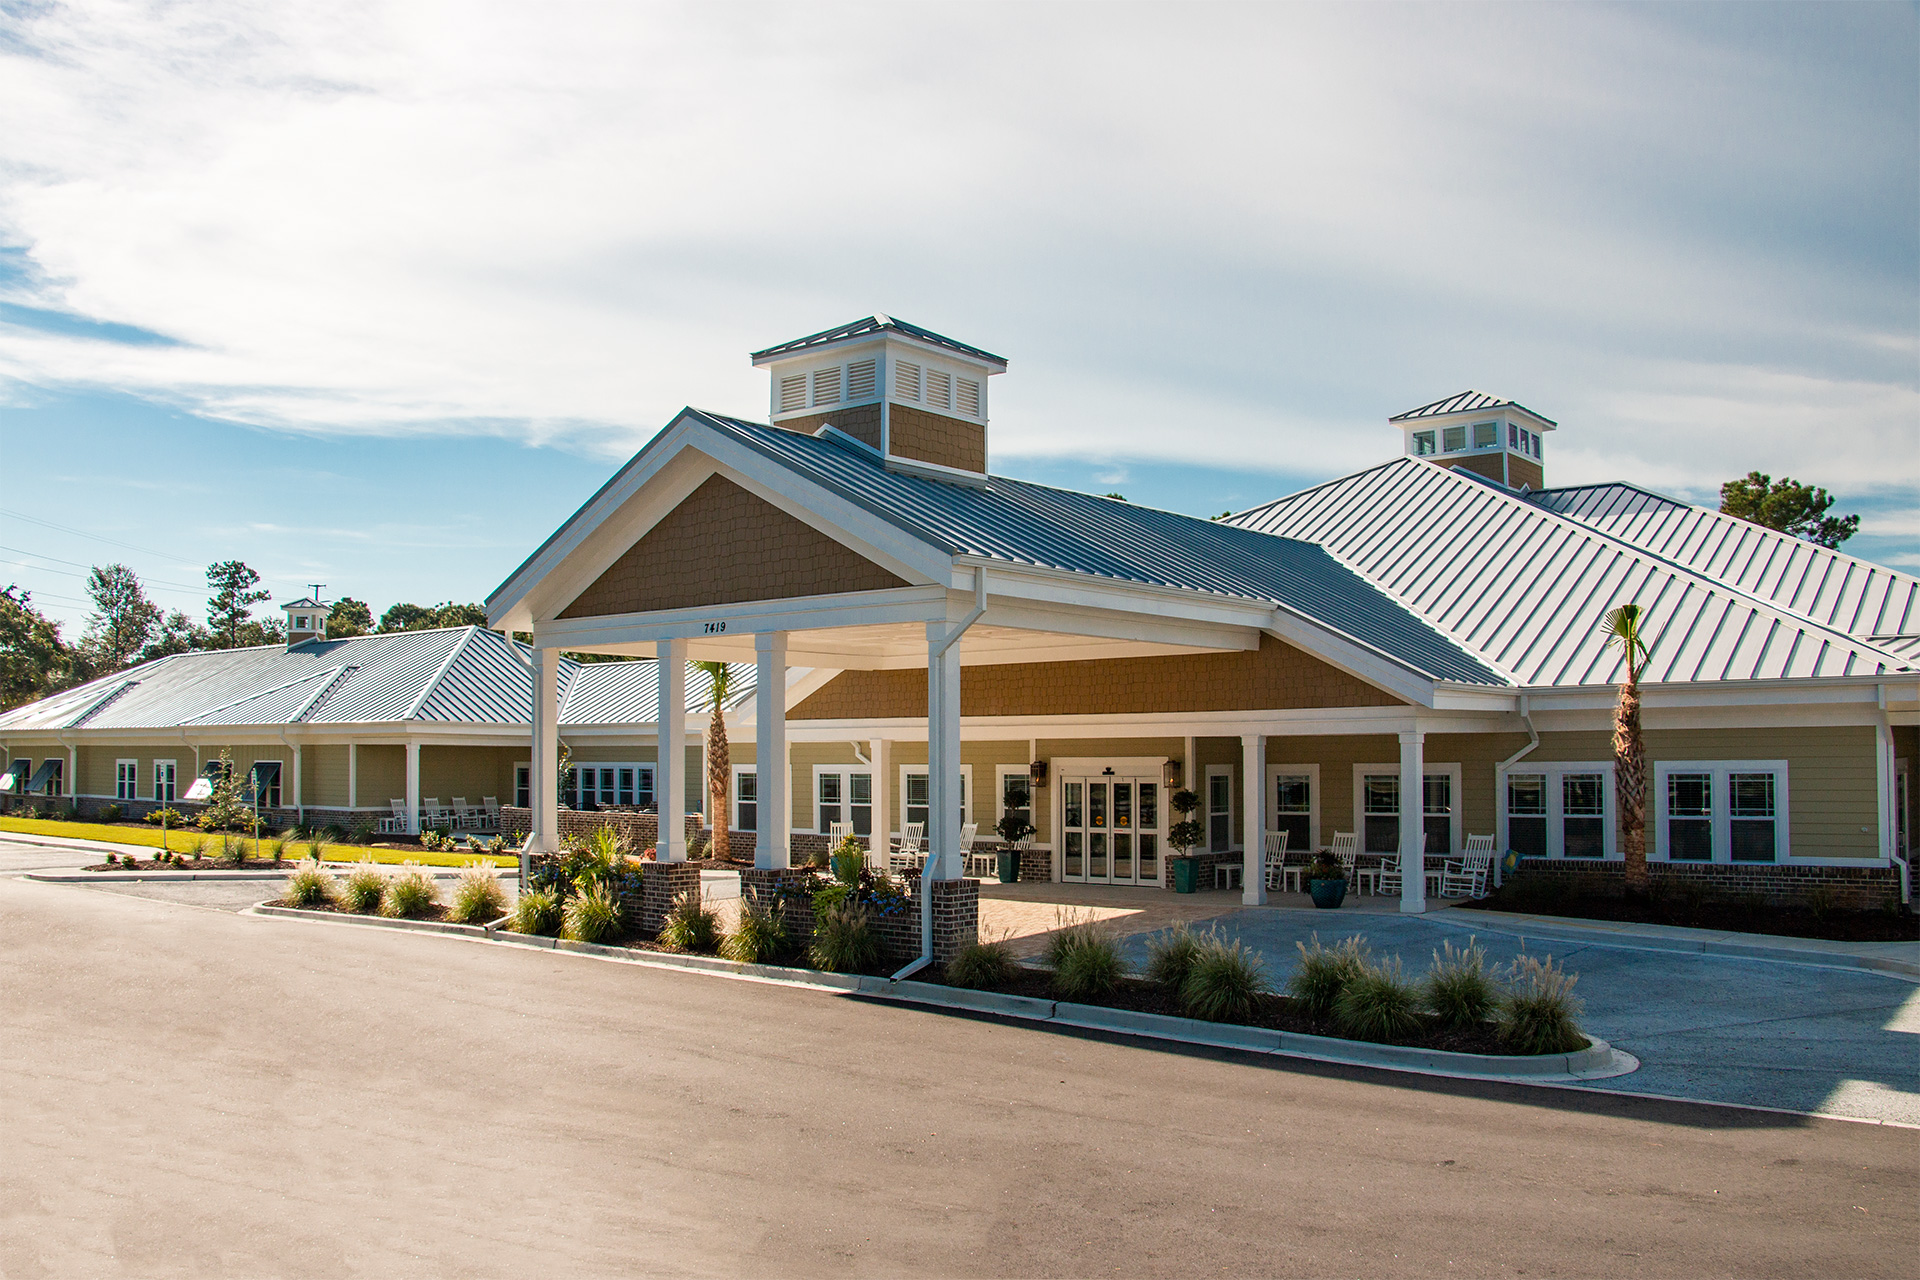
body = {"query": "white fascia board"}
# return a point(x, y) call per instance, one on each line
point(1829, 691)
point(1359, 660)
point(1470, 697)
point(1309, 722)
point(805, 613)
point(1086, 591)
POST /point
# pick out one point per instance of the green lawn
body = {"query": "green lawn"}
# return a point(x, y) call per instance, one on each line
point(183, 841)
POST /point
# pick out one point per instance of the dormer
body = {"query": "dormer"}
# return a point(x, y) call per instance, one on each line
point(306, 620)
point(917, 399)
point(1498, 439)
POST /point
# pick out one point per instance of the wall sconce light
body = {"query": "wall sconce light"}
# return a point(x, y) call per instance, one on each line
point(1173, 775)
point(1037, 773)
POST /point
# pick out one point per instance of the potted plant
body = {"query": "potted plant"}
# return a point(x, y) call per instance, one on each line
point(1184, 835)
point(1326, 880)
point(1018, 833)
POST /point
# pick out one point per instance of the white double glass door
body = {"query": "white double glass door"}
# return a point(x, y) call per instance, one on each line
point(1111, 830)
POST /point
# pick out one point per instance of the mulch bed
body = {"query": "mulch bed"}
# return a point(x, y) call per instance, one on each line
point(1780, 922)
point(191, 864)
point(436, 912)
point(1275, 1013)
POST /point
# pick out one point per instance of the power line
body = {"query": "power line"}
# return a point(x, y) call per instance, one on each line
point(20, 551)
point(82, 533)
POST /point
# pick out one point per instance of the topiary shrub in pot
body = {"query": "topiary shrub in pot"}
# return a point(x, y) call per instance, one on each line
point(1326, 881)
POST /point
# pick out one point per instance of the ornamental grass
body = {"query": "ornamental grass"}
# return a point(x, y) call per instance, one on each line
point(410, 894)
point(1459, 989)
point(1170, 955)
point(478, 895)
point(593, 915)
point(1378, 1003)
point(982, 966)
point(843, 939)
point(537, 913)
point(1224, 980)
point(1324, 972)
point(363, 888)
point(760, 935)
point(310, 885)
point(1539, 1012)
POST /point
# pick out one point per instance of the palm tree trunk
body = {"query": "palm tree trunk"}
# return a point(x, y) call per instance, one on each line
point(1630, 784)
point(719, 766)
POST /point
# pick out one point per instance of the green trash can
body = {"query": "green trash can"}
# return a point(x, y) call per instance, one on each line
point(1186, 874)
point(1009, 866)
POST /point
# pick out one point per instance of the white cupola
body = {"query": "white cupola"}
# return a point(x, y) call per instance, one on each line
point(306, 619)
point(1495, 438)
point(917, 399)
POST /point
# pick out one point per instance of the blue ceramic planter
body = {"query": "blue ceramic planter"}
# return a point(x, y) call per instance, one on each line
point(1327, 893)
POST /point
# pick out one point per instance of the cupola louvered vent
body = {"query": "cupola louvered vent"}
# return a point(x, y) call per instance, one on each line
point(906, 380)
point(826, 386)
point(793, 393)
point(860, 380)
point(969, 403)
point(939, 389)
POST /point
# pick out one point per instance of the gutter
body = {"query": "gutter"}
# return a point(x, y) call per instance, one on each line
point(926, 894)
point(1500, 770)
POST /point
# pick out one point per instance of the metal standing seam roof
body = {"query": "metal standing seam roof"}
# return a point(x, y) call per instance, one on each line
point(1029, 524)
point(874, 324)
point(1464, 402)
point(1822, 585)
point(458, 675)
point(1526, 588)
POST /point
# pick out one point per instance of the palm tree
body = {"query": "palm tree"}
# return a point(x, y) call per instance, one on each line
point(1624, 628)
point(719, 763)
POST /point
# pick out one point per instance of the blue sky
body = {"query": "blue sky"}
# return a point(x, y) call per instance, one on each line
point(369, 299)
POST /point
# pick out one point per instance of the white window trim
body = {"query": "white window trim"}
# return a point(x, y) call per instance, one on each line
point(733, 795)
point(1001, 772)
point(1456, 840)
point(898, 812)
point(1236, 839)
point(1312, 771)
point(280, 778)
point(650, 767)
point(518, 765)
point(1723, 814)
point(132, 785)
point(175, 766)
point(1553, 770)
point(846, 790)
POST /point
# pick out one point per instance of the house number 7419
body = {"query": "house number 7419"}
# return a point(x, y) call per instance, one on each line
point(715, 628)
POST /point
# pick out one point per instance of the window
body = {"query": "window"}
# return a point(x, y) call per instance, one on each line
point(969, 397)
point(523, 786)
point(1453, 439)
point(842, 795)
point(746, 798)
point(1016, 793)
point(263, 783)
point(939, 389)
point(165, 774)
point(1422, 443)
point(906, 380)
point(126, 780)
point(826, 386)
point(1219, 808)
point(1436, 812)
point(1558, 811)
point(1380, 812)
point(1720, 811)
point(1690, 817)
point(603, 786)
point(1533, 439)
point(1486, 435)
point(1513, 436)
point(1293, 809)
point(915, 793)
point(56, 771)
point(860, 379)
point(302, 622)
point(793, 392)
point(1752, 820)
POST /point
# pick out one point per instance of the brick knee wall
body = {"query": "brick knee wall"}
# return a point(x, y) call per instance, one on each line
point(660, 884)
point(956, 912)
point(1851, 888)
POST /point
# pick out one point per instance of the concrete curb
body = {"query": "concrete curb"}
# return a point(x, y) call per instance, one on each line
point(169, 877)
point(1598, 1061)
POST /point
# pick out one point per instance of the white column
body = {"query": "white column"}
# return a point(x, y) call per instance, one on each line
point(670, 752)
point(71, 783)
point(413, 786)
point(1190, 773)
point(545, 797)
point(298, 808)
point(1253, 795)
point(1413, 840)
point(943, 756)
point(353, 775)
point(879, 845)
point(772, 846)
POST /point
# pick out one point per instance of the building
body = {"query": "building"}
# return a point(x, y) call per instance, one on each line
point(1411, 653)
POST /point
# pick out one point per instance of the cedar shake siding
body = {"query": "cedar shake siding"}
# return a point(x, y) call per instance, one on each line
point(1525, 474)
point(723, 545)
point(1487, 465)
point(1276, 677)
point(862, 422)
point(934, 437)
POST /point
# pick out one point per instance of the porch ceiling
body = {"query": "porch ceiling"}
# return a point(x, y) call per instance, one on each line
point(903, 645)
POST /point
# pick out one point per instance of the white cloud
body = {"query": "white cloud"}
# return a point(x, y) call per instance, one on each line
point(1243, 240)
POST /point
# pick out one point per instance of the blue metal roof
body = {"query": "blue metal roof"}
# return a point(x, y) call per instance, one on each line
point(1030, 524)
point(876, 323)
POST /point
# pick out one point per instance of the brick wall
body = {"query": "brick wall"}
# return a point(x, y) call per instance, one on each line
point(934, 437)
point(956, 912)
point(640, 831)
point(660, 884)
point(722, 545)
point(1275, 677)
point(1854, 888)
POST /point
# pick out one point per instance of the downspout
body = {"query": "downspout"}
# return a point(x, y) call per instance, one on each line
point(926, 894)
point(1883, 760)
point(1500, 770)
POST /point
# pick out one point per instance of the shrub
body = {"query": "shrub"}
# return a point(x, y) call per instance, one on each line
point(1538, 1012)
point(1378, 1003)
point(830, 897)
point(537, 912)
point(282, 842)
point(1071, 931)
point(593, 915)
point(690, 925)
point(1458, 987)
point(759, 936)
point(169, 816)
point(849, 860)
point(112, 813)
point(310, 885)
point(1089, 970)
point(477, 895)
point(1323, 972)
point(1170, 955)
point(982, 965)
point(197, 847)
point(1224, 981)
point(817, 859)
point(365, 885)
point(843, 939)
point(410, 893)
point(340, 834)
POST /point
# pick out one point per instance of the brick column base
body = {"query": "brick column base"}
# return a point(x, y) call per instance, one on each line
point(660, 884)
point(773, 885)
point(956, 917)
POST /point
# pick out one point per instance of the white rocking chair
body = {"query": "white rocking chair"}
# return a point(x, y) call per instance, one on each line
point(910, 853)
point(1276, 860)
point(397, 824)
point(1466, 876)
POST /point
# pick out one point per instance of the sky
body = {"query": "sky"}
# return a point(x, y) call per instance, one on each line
point(376, 295)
